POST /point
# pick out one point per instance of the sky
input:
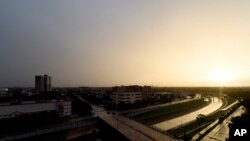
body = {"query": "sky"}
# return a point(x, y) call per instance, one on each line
point(124, 42)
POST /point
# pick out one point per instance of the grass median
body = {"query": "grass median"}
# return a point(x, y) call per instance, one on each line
point(187, 131)
point(170, 111)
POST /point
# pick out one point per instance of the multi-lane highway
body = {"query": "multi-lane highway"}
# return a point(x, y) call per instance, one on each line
point(221, 131)
point(166, 125)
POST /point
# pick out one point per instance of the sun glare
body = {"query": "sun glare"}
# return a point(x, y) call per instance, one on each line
point(223, 76)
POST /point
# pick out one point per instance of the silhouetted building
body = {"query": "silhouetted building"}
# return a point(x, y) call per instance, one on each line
point(4, 92)
point(47, 83)
point(39, 83)
point(62, 107)
point(43, 83)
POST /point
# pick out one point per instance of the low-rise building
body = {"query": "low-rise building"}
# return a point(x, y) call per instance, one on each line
point(130, 94)
point(8, 110)
point(4, 92)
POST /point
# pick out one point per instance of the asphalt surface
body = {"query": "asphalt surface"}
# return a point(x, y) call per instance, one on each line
point(133, 130)
point(221, 131)
point(166, 125)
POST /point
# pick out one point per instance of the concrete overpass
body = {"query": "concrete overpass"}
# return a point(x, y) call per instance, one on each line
point(131, 129)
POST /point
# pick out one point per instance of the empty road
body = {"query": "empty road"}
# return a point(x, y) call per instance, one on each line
point(166, 125)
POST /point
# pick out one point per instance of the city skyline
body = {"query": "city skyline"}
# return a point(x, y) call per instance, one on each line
point(109, 43)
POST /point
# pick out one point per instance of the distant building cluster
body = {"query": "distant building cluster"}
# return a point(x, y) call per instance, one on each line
point(19, 101)
point(43, 83)
point(131, 94)
point(4, 92)
point(62, 107)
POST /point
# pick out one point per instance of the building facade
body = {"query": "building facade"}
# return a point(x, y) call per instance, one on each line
point(43, 83)
point(130, 94)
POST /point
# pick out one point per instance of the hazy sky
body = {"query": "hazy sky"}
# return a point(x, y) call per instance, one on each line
point(115, 42)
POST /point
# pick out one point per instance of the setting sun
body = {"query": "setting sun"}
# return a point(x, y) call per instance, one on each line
point(223, 75)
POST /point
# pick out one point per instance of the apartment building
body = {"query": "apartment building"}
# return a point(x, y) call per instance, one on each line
point(130, 94)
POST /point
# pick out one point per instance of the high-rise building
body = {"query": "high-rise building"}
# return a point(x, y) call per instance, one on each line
point(47, 83)
point(39, 83)
point(43, 83)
